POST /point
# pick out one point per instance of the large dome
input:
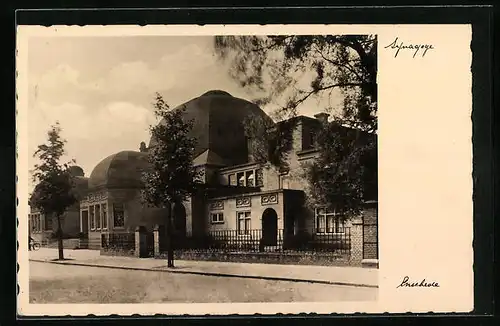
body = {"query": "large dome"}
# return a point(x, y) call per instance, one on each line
point(121, 170)
point(219, 124)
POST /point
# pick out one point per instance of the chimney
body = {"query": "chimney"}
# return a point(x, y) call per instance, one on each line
point(322, 117)
point(143, 148)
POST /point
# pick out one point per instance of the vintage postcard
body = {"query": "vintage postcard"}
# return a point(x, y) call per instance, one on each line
point(244, 169)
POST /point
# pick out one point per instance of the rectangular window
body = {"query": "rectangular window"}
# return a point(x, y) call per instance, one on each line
point(98, 216)
point(259, 176)
point(118, 216)
point(104, 209)
point(232, 180)
point(91, 217)
point(313, 139)
point(285, 182)
point(328, 221)
point(241, 179)
point(217, 217)
point(249, 177)
point(244, 220)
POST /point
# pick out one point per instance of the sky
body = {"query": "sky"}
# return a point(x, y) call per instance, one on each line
point(101, 89)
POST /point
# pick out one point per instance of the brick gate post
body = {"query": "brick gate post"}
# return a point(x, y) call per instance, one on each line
point(156, 237)
point(137, 242)
point(356, 241)
point(141, 246)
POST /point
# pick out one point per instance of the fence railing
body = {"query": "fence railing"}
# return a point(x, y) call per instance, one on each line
point(328, 243)
point(338, 242)
point(118, 241)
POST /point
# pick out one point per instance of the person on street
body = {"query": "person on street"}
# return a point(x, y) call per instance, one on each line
point(30, 242)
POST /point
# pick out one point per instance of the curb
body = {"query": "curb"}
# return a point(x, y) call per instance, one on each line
point(269, 278)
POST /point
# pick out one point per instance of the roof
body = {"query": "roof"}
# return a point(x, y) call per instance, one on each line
point(80, 188)
point(120, 170)
point(209, 157)
point(81, 185)
point(219, 120)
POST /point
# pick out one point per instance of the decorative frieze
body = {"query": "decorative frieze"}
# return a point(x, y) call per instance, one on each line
point(95, 197)
point(269, 199)
point(243, 202)
point(217, 205)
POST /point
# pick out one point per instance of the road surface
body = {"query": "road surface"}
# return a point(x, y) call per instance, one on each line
point(52, 283)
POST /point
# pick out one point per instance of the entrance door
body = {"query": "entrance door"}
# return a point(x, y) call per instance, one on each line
point(269, 227)
point(84, 227)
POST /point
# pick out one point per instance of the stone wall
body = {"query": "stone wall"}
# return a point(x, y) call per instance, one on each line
point(370, 233)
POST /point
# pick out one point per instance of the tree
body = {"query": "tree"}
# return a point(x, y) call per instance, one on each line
point(297, 68)
point(171, 178)
point(54, 191)
point(343, 176)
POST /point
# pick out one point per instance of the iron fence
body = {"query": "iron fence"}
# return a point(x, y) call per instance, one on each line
point(118, 241)
point(338, 242)
point(234, 241)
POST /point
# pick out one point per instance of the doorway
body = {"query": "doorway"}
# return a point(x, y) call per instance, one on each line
point(84, 227)
point(269, 227)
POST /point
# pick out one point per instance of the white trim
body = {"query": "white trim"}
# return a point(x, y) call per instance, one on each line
point(326, 215)
point(218, 214)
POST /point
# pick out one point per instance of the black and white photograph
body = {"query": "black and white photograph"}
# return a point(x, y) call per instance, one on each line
point(230, 168)
point(236, 168)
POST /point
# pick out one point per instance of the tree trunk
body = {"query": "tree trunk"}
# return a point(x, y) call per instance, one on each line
point(170, 247)
point(60, 238)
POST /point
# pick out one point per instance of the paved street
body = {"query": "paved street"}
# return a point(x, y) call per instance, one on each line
point(355, 276)
point(54, 283)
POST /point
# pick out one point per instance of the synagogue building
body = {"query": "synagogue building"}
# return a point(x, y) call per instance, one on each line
point(238, 194)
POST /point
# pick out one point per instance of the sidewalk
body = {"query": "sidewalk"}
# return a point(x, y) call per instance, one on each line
point(348, 276)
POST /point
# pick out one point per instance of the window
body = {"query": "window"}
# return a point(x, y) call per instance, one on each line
point(328, 221)
point(217, 217)
point(312, 139)
point(249, 178)
point(104, 209)
point(91, 217)
point(118, 216)
point(244, 219)
point(36, 226)
point(98, 216)
point(241, 179)
point(285, 182)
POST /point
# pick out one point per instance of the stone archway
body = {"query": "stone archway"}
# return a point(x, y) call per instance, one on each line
point(269, 227)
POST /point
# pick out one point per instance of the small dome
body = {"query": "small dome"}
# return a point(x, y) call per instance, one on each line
point(81, 186)
point(76, 171)
point(121, 170)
